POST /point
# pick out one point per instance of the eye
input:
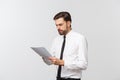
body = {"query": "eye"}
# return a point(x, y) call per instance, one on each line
point(60, 24)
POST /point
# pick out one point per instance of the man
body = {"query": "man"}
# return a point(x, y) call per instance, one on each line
point(69, 49)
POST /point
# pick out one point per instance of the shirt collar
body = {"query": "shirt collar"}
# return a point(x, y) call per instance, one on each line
point(69, 33)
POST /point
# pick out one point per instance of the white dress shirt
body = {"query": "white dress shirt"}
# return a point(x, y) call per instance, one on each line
point(74, 55)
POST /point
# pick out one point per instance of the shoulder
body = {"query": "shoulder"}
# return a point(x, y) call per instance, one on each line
point(57, 39)
point(78, 35)
point(79, 38)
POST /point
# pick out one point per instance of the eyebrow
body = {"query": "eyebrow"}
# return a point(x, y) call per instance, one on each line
point(59, 24)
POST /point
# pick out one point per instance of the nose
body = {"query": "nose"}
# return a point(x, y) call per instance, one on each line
point(58, 27)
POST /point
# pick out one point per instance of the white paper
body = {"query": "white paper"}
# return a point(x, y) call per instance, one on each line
point(43, 53)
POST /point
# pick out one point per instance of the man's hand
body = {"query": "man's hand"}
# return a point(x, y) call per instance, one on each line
point(56, 61)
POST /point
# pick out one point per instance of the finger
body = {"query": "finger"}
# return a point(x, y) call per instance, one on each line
point(50, 58)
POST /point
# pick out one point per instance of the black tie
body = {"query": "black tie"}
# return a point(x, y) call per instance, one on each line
point(61, 56)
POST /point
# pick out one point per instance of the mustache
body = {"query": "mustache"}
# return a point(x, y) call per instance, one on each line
point(59, 30)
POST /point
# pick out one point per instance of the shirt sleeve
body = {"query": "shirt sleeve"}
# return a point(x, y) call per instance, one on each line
point(81, 60)
point(52, 50)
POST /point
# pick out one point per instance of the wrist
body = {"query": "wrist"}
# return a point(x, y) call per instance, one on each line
point(61, 62)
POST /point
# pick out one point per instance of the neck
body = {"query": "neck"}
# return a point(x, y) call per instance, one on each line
point(68, 31)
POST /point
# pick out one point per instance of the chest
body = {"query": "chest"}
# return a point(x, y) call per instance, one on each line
point(71, 48)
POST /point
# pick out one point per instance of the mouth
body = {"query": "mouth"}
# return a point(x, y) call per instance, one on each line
point(60, 30)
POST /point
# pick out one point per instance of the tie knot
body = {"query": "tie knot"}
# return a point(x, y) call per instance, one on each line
point(64, 36)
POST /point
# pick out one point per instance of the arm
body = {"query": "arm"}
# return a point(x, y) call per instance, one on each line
point(52, 51)
point(81, 61)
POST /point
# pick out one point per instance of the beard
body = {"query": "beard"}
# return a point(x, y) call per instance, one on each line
point(62, 32)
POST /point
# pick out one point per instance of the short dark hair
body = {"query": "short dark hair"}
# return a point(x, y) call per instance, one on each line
point(65, 15)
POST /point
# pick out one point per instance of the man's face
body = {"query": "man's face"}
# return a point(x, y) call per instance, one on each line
point(62, 26)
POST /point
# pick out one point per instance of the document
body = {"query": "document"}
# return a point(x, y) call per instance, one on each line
point(43, 53)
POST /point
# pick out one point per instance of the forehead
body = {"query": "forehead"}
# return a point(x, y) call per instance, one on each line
point(59, 20)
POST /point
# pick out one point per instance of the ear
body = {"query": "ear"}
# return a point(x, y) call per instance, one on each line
point(68, 23)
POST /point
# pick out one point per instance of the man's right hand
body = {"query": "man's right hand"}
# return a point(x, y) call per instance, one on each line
point(56, 61)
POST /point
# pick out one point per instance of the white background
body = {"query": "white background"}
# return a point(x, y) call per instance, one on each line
point(26, 23)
